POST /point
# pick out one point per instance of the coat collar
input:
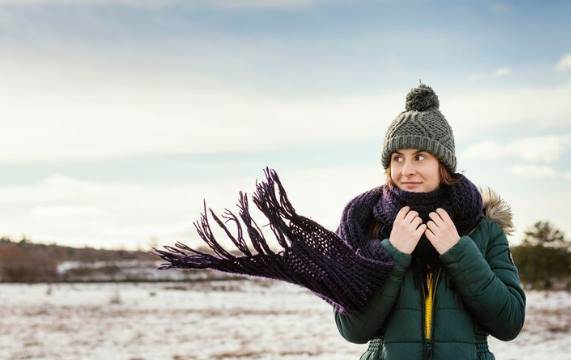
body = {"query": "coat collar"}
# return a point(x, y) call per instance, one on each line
point(497, 210)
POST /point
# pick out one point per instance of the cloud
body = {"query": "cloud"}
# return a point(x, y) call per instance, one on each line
point(548, 148)
point(92, 111)
point(77, 212)
point(484, 150)
point(564, 63)
point(540, 172)
point(537, 171)
point(477, 110)
point(109, 214)
point(59, 107)
point(66, 128)
point(503, 71)
point(499, 72)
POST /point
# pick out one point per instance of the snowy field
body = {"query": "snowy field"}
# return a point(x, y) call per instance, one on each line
point(215, 320)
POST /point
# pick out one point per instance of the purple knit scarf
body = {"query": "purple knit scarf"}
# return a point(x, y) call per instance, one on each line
point(462, 201)
point(345, 268)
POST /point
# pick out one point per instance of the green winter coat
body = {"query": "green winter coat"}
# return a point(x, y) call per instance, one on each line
point(486, 299)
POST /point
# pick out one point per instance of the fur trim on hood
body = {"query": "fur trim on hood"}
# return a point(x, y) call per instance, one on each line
point(497, 210)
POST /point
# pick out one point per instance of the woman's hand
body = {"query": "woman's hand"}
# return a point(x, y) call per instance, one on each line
point(406, 231)
point(441, 231)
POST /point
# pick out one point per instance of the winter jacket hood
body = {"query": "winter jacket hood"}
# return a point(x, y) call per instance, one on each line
point(497, 210)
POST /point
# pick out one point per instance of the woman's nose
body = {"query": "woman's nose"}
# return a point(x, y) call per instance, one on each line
point(408, 168)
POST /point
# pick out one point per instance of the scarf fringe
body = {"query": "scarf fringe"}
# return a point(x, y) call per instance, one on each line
point(265, 199)
point(312, 256)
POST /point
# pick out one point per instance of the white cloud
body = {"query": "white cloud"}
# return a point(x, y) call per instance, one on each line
point(477, 111)
point(548, 148)
point(62, 107)
point(499, 72)
point(484, 150)
point(503, 71)
point(541, 148)
point(78, 212)
point(533, 171)
point(476, 77)
point(94, 111)
point(564, 63)
point(75, 212)
point(69, 128)
point(540, 172)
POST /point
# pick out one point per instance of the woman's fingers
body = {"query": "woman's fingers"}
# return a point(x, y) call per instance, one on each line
point(402, 213)
point(411, 216)
point(409, 228)
point(436, 218)
point(421, 229)
point(429, 234)
point(444, 215)
point(417, 221)
point(432, 226)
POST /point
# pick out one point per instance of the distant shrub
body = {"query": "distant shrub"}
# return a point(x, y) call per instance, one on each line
point(544, 259)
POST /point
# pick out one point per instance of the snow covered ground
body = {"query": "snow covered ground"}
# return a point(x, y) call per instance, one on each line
point(219, 320)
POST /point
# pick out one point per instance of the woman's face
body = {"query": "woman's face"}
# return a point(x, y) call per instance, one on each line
point(415, 170)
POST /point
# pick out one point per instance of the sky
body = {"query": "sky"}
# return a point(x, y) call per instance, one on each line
point(118, 117)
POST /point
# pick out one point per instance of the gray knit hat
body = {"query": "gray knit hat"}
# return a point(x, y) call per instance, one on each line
point(421, 126)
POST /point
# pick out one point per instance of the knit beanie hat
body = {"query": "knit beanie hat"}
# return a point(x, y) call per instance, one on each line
point(421, 126)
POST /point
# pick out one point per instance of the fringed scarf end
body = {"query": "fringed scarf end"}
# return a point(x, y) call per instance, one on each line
point(182, 256)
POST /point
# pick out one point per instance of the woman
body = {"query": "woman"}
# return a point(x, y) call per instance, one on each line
point(454, 281)
point(419, 267)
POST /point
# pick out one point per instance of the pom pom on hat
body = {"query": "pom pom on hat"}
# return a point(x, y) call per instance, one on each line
point(421, 98)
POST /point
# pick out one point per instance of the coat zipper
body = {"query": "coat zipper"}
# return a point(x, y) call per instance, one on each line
point(427, 341)
point(434, 304)
point(423, 325)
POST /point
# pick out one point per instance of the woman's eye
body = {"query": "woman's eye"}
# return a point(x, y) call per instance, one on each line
point(398, 158)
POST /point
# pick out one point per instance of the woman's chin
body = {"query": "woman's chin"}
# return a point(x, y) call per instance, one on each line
point(412, 188)
point(416, 190)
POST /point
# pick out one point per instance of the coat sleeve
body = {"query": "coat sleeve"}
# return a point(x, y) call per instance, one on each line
point(364, 325)
point(488, 284)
